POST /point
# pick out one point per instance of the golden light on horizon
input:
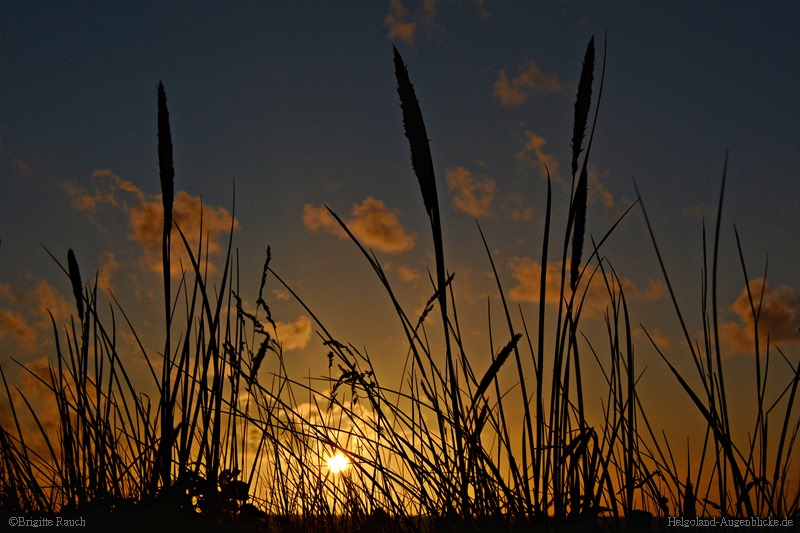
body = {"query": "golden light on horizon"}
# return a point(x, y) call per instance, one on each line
point(338, 463)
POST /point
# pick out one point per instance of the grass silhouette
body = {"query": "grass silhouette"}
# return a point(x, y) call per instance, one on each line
point(228, 445)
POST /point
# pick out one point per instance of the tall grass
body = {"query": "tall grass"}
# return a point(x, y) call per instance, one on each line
point(234, 440)
point(745, 481)
point(167, 175)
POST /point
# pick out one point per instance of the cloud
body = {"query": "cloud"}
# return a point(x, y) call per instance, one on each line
point(399, 24)
point(527, 273)
point(85, 201)
point(191, 216)
point(16, 328)
point(282, 295)
point(472, 196)
point(515, 208)
point(533, 152)
point(661, 339)
point(146, 218)
point(294, 335)
point(779, 318)
point(316, 218)
point(403, 25)
point(25, 315)
point(374, 224)
point(599, 193)
point(108, 189)
point(530, 80)
point(406, 273)
point(108, 266)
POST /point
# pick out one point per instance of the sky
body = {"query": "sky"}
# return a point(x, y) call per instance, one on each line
point(278, 111)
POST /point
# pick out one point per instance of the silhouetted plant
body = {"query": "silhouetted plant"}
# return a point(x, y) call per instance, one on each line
point(232, 444)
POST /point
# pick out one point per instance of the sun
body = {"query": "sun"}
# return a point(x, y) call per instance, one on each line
point(338, 463)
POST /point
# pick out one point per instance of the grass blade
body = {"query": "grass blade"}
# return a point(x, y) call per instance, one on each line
point(75, 280)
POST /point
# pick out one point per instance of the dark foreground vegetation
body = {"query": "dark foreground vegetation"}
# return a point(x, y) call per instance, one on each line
point(228, 445)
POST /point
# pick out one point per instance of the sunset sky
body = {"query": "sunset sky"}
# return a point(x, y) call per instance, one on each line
point(296, 108)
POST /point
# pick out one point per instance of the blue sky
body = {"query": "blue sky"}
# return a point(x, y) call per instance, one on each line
point(297, 108)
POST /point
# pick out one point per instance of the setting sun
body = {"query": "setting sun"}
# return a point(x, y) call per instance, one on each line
point(338, 464)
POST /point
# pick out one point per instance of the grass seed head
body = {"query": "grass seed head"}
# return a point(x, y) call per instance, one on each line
point(414, 127)
point(165, 164)
point(583, 102)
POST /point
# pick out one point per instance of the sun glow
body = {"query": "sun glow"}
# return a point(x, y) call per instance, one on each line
point(338, 464)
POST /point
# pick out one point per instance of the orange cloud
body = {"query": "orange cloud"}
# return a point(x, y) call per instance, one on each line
point(294, 335)
point(282, 294)
point(406, 273)
point(25, 315)
point(599, 193)
point(108, 267)
point(533, 152)
point(661, 339)
point(530, 80)
point(316, 218)
point(472, 196)
point(779, 318)
point(398, 22)
point(374, 224)
point(515, 208)
point(191, 216)
point(107, 191)
point(403, 25)
point(17, 329)
point(146, 218)
point(528, 272)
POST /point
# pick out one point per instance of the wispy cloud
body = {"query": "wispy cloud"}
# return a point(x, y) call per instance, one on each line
point(533, 151)
point(399, 23)
point(408, 18)
point(108, 266)
point(25, 314)
point(294, 335)
point(661, 339)
point(516, 208)
point(778, 318)
point(471, 195)
point(527, 273)
point(371, 221)
point(600, 194)
point(17, 329)
point(145, 218)
point(530, 80)
point(404, 272)
point(190, 215)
